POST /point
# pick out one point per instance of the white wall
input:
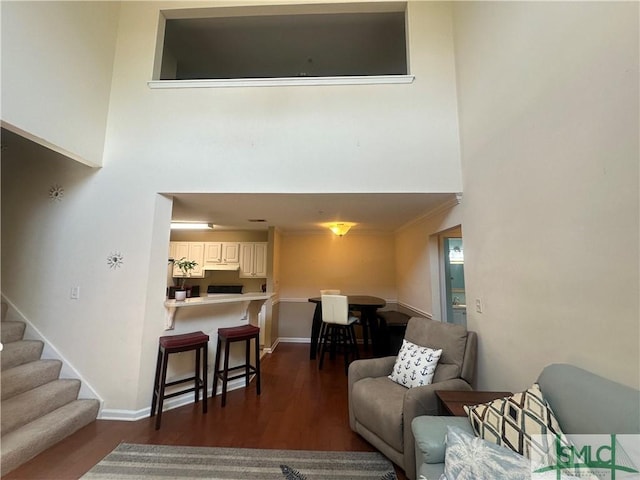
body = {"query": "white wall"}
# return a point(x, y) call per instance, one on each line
point(50, 246)
point(548, 95)
point(399, 138)
point(288, 139)
point(57, 62)
point(418, 263)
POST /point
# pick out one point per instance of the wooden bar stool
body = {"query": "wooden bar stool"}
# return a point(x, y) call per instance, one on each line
point(227, 336)
point(197, 341)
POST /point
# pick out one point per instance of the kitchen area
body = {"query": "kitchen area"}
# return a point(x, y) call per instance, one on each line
point(227, 282)
point(223, 258)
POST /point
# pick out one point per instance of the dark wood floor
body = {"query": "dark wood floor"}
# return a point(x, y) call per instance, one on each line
point(300, 408)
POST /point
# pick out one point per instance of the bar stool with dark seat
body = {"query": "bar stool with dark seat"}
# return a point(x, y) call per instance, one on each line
point(197, 341)
point(227, 336)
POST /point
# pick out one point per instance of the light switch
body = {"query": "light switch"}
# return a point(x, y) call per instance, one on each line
point(478, 305)
point(75, 293)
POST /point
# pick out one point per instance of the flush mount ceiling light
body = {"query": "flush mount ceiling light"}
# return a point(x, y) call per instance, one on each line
point(191, 226)
point(340, 228)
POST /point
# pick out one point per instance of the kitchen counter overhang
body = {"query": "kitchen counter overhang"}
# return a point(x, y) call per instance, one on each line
point(251, 298)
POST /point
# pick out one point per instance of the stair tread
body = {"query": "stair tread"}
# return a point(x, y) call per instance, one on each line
point(21, 378)
point(20, 352)
point(6, 323)
point(11, 331)
point(33, 438)
point(28, 406)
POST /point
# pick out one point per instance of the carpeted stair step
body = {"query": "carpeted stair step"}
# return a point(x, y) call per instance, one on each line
point(22, 378)
point(26, 407)
point(21, 352)
point(33, 438)
point(11, 331)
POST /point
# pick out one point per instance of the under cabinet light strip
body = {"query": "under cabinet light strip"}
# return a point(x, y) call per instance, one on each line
point(190, 226)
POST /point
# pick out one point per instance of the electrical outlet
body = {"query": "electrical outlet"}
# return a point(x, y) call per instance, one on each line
point(75, 293)
point(478, 305)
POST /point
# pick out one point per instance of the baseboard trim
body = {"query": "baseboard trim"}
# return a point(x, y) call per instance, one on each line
point(272, 348)
point(294, 340)
point(170, 404)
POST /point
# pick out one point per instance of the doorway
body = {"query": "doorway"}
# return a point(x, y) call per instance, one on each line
point(452, 262)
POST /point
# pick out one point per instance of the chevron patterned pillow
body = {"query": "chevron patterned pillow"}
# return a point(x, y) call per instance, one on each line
point(523, 422)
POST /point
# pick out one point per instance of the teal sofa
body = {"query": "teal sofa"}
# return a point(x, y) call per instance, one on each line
point(583, 403)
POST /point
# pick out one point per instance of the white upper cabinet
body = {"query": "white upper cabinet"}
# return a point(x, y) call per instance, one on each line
point(221, 253)
point(253, 260)
point(212, 252)
point(230, 252)
point(249, 257)
point(191, 251)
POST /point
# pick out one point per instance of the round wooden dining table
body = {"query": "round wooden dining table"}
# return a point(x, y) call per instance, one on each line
point(367, 306)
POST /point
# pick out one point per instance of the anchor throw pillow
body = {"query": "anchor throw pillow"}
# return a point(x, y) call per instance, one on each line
point(415, 365)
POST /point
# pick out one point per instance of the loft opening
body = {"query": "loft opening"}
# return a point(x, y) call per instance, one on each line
point(285, 42)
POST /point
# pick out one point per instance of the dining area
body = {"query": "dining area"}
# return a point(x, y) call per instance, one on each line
point(361, 267)
point(335, 316)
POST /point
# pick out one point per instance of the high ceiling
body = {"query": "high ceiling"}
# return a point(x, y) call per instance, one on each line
point(308, 213)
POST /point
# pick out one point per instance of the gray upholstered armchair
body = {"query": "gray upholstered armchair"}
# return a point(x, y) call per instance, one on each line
point(381, 411)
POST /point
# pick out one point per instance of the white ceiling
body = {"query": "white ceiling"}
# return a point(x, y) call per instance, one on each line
point(298, 213)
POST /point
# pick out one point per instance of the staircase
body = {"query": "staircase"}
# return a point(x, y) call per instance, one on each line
point(38, 408)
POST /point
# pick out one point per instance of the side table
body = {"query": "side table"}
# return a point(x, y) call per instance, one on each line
point(452, 402)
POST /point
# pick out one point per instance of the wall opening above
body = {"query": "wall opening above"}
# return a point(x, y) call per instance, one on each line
point(248, 43)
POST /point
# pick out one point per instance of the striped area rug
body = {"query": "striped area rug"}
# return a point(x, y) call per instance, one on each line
point(146, 462)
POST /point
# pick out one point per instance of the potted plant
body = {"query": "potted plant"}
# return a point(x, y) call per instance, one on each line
point(185, 267)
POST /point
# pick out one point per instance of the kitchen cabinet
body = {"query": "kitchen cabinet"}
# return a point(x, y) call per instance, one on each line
point(253, 260)
point(230, 252)
point(212, 253)
point(191, 251)
point(220, 253)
